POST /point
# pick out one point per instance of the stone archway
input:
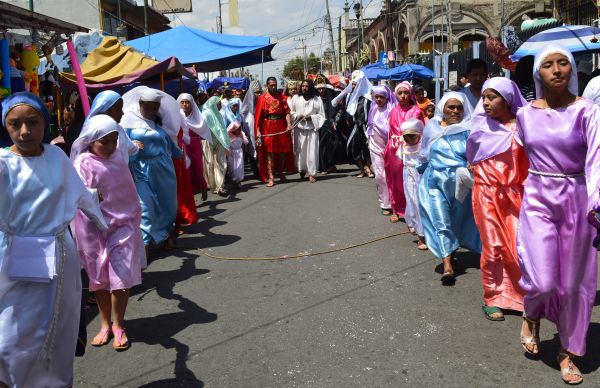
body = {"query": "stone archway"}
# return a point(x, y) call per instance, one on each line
point(470, 11)
point(514, 18)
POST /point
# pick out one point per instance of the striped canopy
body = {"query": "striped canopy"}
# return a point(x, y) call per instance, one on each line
point(576, 39)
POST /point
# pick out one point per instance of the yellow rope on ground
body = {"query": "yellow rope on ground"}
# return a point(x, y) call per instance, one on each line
point(300, 255)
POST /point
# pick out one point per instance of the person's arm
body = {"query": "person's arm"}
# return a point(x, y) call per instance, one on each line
point(258, 113)
point(591, 131)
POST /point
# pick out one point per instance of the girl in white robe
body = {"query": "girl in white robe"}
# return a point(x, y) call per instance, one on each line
point(412, 129)
point(40, 283)
point(235, 156)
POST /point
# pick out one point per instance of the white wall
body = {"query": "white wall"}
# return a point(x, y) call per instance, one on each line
point(81, 12)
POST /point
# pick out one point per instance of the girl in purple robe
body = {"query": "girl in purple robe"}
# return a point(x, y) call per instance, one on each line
point(378, 132)
point(561, 135)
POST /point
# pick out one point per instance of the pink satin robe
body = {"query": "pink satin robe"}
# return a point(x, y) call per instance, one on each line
point(394, 168)
point(497, 196)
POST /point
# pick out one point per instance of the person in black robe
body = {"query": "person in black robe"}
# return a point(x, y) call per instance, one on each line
point(332, 142)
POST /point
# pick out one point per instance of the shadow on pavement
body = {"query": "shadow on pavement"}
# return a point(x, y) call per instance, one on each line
point(587, 364)
point(162, 329)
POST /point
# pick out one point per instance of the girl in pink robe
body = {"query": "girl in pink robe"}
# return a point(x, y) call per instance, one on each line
point(407, 108)
point(112, 259)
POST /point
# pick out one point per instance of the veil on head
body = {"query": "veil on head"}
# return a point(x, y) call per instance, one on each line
point(168, 111)
point(95, 128)
point(195, 121)
point(573, 85)
point(363, 88)
point(215, 121)
point(103, 102)
point(434, 130)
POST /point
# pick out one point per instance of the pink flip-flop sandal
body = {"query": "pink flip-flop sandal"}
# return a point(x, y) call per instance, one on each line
point(105, 333)
point(118, 341)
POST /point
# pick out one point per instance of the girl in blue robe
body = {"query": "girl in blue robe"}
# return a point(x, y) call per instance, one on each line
point(152, 167)
point(448, 222)
point(40, 287)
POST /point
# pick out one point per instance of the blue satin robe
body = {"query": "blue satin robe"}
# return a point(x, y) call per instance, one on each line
point(447, 223)
point(155, 181)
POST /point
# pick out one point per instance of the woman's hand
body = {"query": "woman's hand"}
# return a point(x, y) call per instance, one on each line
point(138, 144)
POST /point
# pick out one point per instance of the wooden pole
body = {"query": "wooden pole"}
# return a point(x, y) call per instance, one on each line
point(162, 81)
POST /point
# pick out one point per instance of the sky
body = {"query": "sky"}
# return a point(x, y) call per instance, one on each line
point(284, 21)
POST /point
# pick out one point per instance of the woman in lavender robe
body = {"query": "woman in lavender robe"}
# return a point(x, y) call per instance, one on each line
point(561, 135)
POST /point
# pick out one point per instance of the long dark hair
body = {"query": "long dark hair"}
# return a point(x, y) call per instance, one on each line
point(312, 91)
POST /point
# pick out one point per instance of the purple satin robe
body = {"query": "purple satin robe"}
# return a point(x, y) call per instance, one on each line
point(554, 240)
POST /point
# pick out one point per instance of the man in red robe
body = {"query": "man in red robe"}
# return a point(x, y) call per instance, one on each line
point(274, 145)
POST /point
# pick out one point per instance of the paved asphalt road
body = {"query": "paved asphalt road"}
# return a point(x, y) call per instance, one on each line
point(373, 316)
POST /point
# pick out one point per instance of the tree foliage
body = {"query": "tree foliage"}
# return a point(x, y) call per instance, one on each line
point(294, 69)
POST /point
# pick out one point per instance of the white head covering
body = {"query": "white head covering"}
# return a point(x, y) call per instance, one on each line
point(573, 86)
point(194, 122)
point(150, 95)
point(96, 128)
point(343, 94)
point(168, 111)
point(363, 89)
point(357, 75)
point(592, 90)
point(434, 130)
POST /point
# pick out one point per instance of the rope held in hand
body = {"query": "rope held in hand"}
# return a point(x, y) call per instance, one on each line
point(300, 255)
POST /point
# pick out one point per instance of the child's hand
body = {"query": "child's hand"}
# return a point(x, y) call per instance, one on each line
point(138, 144)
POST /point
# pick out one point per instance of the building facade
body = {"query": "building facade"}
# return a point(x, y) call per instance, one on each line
point(413, 27)
point(102, 15)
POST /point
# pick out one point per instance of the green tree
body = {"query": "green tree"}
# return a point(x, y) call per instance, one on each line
point(294, 69)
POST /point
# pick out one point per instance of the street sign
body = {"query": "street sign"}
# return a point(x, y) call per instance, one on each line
point(172, 6)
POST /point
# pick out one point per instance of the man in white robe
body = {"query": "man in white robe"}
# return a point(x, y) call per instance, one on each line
point(308, 115)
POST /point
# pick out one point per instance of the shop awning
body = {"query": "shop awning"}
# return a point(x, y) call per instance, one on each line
point(12, 17)
point(207, 51)
point(113, 64)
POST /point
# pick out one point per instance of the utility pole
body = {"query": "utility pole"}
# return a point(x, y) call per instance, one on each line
point(303, 47)
point(432, 29)
point(145, 17)
point(331, 42)
point(388, 25)
point(220, 25)
point(449, 18)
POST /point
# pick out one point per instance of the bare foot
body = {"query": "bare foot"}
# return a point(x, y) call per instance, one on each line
point(312, 179)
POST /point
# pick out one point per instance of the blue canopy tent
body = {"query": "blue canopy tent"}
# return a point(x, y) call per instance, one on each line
point(208, 51)
point(406, 72)
point(234, 83)
point(373, 70)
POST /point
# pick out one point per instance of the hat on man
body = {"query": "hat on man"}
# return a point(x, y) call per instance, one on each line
point(255, 86)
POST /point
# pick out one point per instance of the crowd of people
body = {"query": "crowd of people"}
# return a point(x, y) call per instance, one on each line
point(481, 169)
